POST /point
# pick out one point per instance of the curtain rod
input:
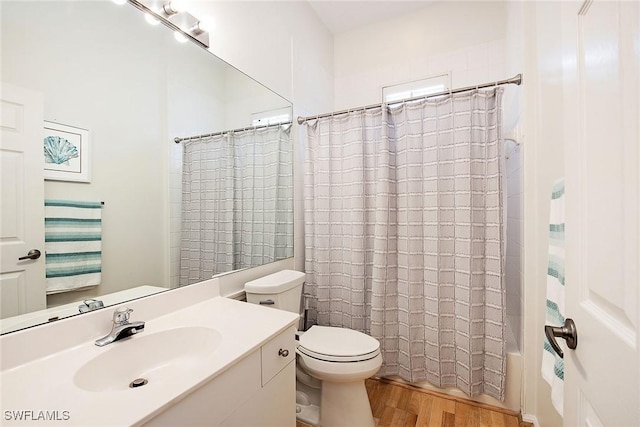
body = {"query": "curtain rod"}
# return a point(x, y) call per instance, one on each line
point(517, 80)
point(178, 140)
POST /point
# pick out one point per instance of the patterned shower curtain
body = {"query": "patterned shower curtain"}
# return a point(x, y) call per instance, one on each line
point(237, 202)
point(404, 236)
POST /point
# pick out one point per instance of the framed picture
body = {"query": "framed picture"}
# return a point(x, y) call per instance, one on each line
point(66, 153)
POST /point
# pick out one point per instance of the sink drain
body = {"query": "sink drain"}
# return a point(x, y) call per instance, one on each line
point(138, 382)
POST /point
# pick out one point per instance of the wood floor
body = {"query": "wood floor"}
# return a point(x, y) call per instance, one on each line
point(400, 405)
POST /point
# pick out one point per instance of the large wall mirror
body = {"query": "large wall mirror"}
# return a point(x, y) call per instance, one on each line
point(171, 214)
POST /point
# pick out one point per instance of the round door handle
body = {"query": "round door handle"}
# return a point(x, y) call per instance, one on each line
point(32, 254)
point(283, 352)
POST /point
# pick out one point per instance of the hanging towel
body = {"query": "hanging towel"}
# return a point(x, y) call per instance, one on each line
point(73, 244)
point(552, 364)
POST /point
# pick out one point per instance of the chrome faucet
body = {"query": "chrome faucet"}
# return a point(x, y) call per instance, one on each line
point(90, 305)
point(121, 328)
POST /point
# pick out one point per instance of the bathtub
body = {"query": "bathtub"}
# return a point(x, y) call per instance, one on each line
point(513, 382)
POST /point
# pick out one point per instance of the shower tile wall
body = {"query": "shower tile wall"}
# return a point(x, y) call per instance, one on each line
point(467, 66)
point(471, 47)
point(514, 271)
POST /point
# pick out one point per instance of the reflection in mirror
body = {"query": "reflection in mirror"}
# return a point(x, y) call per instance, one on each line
point(237, 198)
point(101, 69)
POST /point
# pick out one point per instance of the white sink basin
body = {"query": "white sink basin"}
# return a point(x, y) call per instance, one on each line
point(159, 358)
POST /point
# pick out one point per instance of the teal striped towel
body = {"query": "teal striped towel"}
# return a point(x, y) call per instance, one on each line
point(552, 364)
point(73, 244)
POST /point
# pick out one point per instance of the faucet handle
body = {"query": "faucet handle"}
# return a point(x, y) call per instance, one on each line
point(121, 315)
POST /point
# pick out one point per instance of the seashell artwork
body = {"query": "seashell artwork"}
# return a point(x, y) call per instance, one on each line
point(59, 150)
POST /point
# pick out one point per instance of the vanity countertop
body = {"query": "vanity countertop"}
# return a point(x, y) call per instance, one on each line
point(46, 386)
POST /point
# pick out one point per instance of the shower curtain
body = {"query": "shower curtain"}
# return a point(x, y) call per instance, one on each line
point(237, 202)
point(404, 237)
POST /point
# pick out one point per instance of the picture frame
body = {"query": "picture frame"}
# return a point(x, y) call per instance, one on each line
point(66, 153)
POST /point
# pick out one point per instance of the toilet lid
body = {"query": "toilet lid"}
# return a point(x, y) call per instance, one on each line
point(338, 344)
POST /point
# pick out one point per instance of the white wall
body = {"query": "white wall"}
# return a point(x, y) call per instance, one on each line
point(281, 44)
point(543, 164)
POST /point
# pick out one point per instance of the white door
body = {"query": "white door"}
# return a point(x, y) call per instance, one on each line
point(22, 282)
point(601, 57)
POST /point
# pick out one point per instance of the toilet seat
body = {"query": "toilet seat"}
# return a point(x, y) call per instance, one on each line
point(332, 344)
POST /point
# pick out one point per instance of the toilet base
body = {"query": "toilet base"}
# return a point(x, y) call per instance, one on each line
point(307, 404)
point(345, 405)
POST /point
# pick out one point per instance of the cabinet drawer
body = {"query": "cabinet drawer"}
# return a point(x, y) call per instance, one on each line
point(277, 353)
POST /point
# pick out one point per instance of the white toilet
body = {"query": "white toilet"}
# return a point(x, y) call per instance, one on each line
point(332, 363)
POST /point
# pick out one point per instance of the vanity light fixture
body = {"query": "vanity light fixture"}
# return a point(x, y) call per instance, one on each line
point(204, 25)
point(172, 14)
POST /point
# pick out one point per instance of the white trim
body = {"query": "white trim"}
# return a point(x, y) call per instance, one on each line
point(416, 88)
point(531, 419)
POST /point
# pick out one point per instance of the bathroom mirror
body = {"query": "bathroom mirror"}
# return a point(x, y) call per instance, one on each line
point(132, 88)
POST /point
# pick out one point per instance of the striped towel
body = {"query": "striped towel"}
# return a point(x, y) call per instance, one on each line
point(552, 364)
point(73, 244)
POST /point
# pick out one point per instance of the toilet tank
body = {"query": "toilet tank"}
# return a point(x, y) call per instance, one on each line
point(282, 290)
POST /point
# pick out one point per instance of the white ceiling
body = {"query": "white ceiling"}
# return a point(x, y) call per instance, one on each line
point(344, 15)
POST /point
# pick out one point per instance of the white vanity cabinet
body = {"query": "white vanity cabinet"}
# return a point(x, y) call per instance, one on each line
point(258, 390)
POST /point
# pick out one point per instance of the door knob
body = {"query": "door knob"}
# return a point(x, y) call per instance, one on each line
point(568, 332)
point(32, 254)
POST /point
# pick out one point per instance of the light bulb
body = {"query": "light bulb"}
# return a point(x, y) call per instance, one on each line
point(179, 37)
point(119, 2)
point(172, 7)
point(206, 24)
point(150, 19)
point(177, 5)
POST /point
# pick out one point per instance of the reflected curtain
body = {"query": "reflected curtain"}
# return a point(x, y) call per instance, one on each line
point(237, 202)
point(404, 237)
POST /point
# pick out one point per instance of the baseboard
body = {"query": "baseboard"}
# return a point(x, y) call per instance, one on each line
point(530, 419)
